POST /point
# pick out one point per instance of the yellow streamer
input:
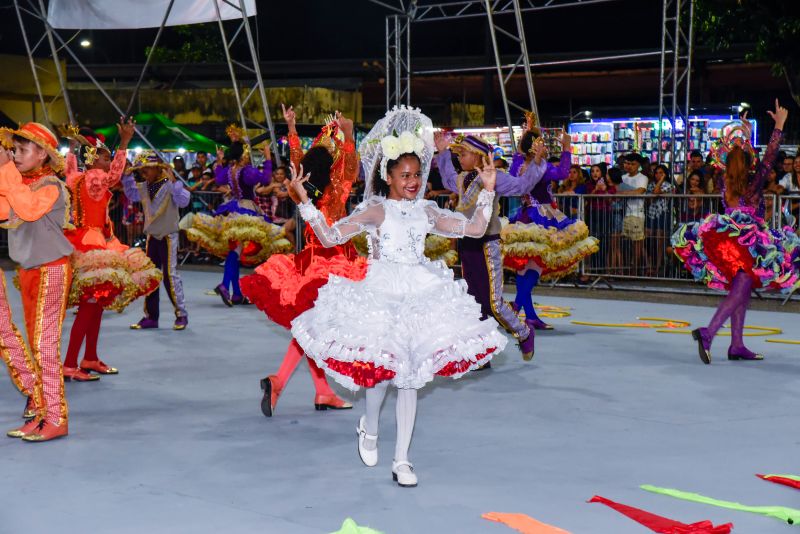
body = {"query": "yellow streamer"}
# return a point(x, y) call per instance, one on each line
point(646, 322)
point(676, 326)
point(784, 341)
point(550, 312)
point(553, 312)
point(759, 331)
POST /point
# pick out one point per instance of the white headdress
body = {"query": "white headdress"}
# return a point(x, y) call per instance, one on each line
point(403, 130)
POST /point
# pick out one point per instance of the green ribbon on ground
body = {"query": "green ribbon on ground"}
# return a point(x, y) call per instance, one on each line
point(789, 515)
point(351, 527)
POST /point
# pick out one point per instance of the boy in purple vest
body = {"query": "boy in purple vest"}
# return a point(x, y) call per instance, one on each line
point(481, 259)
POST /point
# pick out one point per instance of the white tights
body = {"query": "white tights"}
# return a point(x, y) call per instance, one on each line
point(405, 412)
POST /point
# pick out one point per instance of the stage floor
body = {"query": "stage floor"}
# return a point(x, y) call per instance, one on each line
point(176, 442)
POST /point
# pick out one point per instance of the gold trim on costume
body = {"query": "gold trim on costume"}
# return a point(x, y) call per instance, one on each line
point(6, 351)
point(147, 253)
point(468, 193)
point(67, 274)
point(492, 300)
point(37, 330)
point(171, 275)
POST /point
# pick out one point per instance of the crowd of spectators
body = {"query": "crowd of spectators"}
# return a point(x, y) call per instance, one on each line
point(635, 232)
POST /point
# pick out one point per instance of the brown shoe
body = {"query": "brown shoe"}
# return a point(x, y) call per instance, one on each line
point(73, 373)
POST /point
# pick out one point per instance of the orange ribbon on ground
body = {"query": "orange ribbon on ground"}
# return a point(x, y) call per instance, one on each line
point(523, 523)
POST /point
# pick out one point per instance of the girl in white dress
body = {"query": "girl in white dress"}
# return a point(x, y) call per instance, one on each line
point(408, 320)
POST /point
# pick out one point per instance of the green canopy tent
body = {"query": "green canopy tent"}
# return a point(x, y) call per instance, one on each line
point(166, 135)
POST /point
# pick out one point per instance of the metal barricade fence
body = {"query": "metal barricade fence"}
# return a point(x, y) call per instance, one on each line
point(788, 212)
point(634, 231)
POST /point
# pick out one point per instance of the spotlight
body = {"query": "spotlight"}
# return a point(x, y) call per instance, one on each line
point(86, 43)
point(181, 151)
point(585, 114)
point(137, 150)
point(63, 150)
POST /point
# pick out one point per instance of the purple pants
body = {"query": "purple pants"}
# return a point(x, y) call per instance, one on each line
point(164, 254)
point(482, 268)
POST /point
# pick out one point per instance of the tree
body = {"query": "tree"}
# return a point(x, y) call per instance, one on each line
point(772, 26)
point(201, 44)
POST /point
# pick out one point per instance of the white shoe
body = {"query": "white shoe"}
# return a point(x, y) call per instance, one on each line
point(403, 479)
point(369, 457)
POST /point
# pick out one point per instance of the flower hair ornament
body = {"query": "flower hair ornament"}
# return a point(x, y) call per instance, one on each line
point(403, 130)
point(735, 134)
point(396, 145)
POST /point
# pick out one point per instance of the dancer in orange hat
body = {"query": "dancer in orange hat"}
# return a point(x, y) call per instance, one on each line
point(35, 203)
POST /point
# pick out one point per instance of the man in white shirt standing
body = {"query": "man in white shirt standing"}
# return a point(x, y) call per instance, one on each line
point(786, 180)
point(633, 223)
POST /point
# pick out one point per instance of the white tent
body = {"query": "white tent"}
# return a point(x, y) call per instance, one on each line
point(126, 14)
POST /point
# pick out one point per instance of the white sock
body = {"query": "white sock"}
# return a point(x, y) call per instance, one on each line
point(375, 396)
point(406, 413)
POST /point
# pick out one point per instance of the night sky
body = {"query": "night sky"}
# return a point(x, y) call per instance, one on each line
point(317, 29)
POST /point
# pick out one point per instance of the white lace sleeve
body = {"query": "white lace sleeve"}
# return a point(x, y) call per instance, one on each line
point(366, 215)
point(451, 224)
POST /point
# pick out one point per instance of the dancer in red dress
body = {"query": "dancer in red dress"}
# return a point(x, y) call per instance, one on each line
point(286, 285)
point(737, 250)
point(106, 273)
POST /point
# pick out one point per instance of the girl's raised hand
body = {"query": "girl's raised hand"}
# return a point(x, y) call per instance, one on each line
point(779, 115)
point(289, 115)
point(296, 182)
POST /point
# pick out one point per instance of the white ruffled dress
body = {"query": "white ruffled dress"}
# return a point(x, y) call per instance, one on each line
point(408, 320)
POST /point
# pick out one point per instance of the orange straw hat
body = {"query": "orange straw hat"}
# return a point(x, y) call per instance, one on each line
point(40, 135)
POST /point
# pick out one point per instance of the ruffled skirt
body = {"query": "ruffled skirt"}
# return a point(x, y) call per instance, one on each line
point(107, 272)
point(721, 245)
point(403, 323)
point(219, 233)
point(552, 240)
point(286, 285)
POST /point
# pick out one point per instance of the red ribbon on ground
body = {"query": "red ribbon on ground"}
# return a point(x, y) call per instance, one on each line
point(777, 479)
point(663, 525)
